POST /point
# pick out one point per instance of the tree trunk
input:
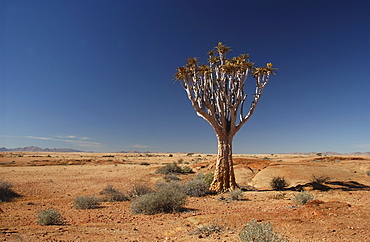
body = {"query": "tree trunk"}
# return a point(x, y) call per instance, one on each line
point(224, 178)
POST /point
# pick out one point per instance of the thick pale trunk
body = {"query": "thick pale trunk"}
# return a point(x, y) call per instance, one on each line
point(224, 178)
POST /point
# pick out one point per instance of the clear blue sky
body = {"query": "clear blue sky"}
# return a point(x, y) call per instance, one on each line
point(98, 75)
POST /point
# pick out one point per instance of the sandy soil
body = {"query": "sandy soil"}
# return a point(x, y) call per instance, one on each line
point(341, 211)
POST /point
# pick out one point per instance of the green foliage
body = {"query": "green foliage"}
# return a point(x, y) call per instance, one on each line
point(235, 194)
point(86, 202)
point(50, 217)
point(139, 189)
point(6, 192)
point(187, 169)
point(278, 183)
point(113, 195)
point(167, 199)
point(259, 232)
point(303, 197)
point(196, 188)
point(208, 177)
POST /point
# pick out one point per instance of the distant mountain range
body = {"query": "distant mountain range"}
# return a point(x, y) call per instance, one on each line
point(330, 153)
point(38, 149)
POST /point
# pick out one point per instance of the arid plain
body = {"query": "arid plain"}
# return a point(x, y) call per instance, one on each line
point(340, 211)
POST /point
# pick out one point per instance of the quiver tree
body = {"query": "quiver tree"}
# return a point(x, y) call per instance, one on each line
point(216, 92)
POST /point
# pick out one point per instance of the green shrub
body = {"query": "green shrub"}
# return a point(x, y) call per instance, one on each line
point(50, 217)
point(259, 232)
point(86, 202)
point(278, 183)
point(6, 192)
point(113, 195)
point(167, 199)
point(139, 189)
point(368, 173)
point(208, 177)
point(196, 188)
point(303, 197)
point(169, 168)
point(235, 194)
point(187, 169)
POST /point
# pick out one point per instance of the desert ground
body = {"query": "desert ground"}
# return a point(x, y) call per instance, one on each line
point(340, 211)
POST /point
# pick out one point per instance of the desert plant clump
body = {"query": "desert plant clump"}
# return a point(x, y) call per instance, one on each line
point(187, 169)
point(171, 178)
point(207, 177)
point(235, 194)
point(113, 195)
point(86, 202)
point(50, 217)
point(206, 230)
point(196, 188)
point(319, 179)
point(6, 192)
point(168, 198)
point(303, 197)
point(169, 168)
point(139, 189)
point(259, 232)
point(368, 173)
point(278, 183)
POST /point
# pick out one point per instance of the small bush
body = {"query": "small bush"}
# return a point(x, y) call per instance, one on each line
point(169, 168)
point(86, 202)
point(6, 192)
point(206, 230)
point(139, 189)
point(171, 178)
point(278, 183)
point(113, 195)
point(167, 199)
point(187, 169)
point(259, 232)
point(145, 163)
point(235, 194)
point(50, 217)
point(208, 177)
point(303, 197)
point(319, 179)
point(368, 173)
point(196, 188)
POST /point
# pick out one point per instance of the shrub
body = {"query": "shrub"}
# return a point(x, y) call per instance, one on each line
point(368, 173)
point(139, 189)
point(235, 194)
point(145, 163)
point(113, 195)
point(86, 202)
point(319, 179)
point(196, 188)
point(6, 192)
point(278, 183)
point(303, 197)
point(171, 178)
point(167, 199)
point(169, 168)
point(259, 232)
point(206, 230)
point(208, 177)
point(187, 169)
point(50, 217)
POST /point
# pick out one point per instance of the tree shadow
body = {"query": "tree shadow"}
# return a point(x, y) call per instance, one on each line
point(332, 185)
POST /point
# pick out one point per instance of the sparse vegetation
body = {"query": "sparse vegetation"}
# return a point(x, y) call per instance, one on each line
point(113, 195)
point(167, 199)
point(303, 197)
point(368, 173)
point(235, 194)
point(171, 178)
point(278, 183)
point(50, 217)
point(187, 169)
point(208, 177)
point(206, 230)
point(6, 192)
point(139, 189)
point(259, 232)
point(196, 187)
point(86, 202)
point(169, 169)
point(145, 163)
point(319, 179)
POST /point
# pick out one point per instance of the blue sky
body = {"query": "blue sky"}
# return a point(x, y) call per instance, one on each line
point(98, 75)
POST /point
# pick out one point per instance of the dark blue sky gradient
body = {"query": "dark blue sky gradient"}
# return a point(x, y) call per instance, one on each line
point(98, 75)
